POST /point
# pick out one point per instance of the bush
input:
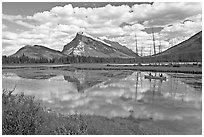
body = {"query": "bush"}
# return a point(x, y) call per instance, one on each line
point(22, 115)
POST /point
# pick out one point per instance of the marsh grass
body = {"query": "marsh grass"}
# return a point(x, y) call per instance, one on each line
point(23, 115)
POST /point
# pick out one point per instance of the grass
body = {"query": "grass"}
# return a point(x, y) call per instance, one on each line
point(94, 66)
point(181, 69)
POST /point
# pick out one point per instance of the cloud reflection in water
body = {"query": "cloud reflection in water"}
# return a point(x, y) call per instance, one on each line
point(115, 93)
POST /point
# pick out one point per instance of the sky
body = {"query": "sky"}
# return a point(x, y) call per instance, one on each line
point(53, 24)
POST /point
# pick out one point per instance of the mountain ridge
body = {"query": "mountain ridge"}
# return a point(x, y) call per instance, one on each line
point(190, 42)
point(187, 50)
point(37, 52)
point(86, 45)
point(121, 47)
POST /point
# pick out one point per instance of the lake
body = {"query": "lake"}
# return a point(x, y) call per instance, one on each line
point(174, 105)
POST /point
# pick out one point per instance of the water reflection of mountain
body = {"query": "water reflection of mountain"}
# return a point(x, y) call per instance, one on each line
point(85, 79)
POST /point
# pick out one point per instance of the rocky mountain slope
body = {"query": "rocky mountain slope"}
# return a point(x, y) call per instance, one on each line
point(190, 49)
point(121, 48)
point(86, 45)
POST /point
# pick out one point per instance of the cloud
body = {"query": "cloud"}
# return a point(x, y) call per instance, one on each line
point(58, 26)
point(65, 11)
point(4, 27)
point(45, 17)
point(9, 35)
point(11, 17)
point(106, 31)
point(18, 19)
point(109, 12)
point(54, 37)
point(25, 24)
point(178, 30)
point(160, 14)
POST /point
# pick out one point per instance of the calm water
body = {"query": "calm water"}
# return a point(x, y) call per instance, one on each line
point(174, 104)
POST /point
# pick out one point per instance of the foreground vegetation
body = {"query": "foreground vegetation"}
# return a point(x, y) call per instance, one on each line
point(23, 115)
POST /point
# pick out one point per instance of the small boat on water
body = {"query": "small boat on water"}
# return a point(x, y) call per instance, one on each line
point(154, 77)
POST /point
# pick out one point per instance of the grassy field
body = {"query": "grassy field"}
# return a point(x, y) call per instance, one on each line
point(23, 115)
point(96, 66)
point(177, 69)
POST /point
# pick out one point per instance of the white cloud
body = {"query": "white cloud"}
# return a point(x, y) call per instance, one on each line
point(11, 17)
point(20, 22)
point(110, 12)
point(165, 13)
point(9, 35)
point(63, 11)
point(182, 30)
point(4, 27)
point(45, 17)
point(68, 28)
point(106, 31)
point(58, 26)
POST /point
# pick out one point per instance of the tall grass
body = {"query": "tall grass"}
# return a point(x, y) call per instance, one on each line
point(23, 115)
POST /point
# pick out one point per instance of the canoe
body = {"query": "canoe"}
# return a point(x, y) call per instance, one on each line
point(154, 77)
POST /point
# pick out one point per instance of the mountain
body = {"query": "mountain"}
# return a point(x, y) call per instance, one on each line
point(121, 48)
point(86, 45)
point(37, 52)
point(190, 49)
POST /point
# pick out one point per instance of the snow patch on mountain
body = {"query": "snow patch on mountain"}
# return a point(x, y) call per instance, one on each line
point(97, 39)
point(80, 49)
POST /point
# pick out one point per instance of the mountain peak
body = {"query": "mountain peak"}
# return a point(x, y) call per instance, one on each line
point(93, 38)
point(84, 34)
point(80, 32)
point(86, 45)
point(37, 46)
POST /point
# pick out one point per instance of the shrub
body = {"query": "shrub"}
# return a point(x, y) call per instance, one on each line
point(23, 115)
point(20, 114)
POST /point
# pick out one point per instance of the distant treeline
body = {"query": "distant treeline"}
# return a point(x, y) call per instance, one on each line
point(65, 60)
point(188, 57)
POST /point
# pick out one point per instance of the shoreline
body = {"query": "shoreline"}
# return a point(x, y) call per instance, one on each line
point(95, 66)
point(192, 70)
